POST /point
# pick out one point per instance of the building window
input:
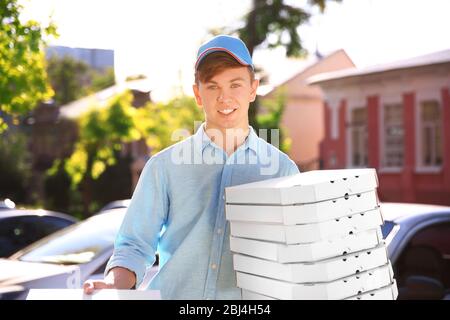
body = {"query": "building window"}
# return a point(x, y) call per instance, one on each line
point(431, 133)
point(332, 160)
point(359, 137)
point(393, 135)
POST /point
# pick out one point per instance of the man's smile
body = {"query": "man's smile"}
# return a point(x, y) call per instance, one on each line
point(227, 111)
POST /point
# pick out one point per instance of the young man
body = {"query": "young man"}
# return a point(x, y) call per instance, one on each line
point(178, 205)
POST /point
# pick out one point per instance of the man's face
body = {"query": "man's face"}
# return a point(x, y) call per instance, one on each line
point(226, 97)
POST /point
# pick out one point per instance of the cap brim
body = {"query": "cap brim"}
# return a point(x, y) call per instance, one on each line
point(220, 49)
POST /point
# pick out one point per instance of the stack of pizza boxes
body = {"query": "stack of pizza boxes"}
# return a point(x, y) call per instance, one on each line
point(314, 235)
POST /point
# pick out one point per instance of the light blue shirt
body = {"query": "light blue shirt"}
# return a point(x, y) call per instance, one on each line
point(178, 208)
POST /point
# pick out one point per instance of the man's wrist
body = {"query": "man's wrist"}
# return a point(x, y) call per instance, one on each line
point(121, 278)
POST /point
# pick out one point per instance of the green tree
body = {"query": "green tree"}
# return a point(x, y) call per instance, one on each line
point(103, 131)
point(270, 119)
point(72, 79)
point(69, 78)
point(102, 79)
point(158, 121)
point(15, 171)
point(58, 194)
point(23, 80)
point(118, 174)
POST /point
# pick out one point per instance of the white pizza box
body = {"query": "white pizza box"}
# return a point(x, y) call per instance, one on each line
point(320, 271)
point(307, 252)
point(250, 295)
point(103, 294)
point(389, 292)
point(304, 213)
point(334, 290)
point(307, 187)
point(307, 233)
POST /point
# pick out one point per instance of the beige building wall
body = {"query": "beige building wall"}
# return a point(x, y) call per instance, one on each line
point(303, 117)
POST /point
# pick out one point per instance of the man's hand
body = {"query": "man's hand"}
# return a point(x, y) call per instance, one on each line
point(90, 285)
point(117, 278)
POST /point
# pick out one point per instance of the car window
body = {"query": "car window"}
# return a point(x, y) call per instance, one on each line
point(76, 244)
point(19, 232)
point(9, 240)
point(423, 268)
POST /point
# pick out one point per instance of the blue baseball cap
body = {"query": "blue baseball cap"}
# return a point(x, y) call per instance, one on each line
point(231, 45)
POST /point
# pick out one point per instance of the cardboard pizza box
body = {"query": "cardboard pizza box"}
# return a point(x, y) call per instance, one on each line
point(103, 294)
point(304, 213)
point(307, 233)
point(307, 187)
point(308, 252)
point(389, 292)
point(320, 271)
point(335, 290)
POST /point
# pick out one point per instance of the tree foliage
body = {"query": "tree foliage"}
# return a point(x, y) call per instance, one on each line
point(15, 170)
point(275, 19)
point(23, 80)
point(102, 79)
point(72, 79)
point(158, 121)
point(104, 131)
point(101, 131)
point(270, 119)
point(68, 78)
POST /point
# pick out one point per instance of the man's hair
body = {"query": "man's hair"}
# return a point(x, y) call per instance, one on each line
point(216, 62)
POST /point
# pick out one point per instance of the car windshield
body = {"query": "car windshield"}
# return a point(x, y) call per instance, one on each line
point(79, 243)
point(386, 228)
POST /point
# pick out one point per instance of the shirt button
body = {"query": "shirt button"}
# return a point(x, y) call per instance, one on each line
point(214, 266)
point(219, 231)
point(223, 197)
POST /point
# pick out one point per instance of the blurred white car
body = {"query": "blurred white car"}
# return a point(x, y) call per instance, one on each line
point(64, 259)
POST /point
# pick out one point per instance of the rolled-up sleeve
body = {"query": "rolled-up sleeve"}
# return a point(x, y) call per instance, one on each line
point(137, 239)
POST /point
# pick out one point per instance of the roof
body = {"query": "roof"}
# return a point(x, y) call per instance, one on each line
point(304, 69)
point(99, 99)
point(425, 60)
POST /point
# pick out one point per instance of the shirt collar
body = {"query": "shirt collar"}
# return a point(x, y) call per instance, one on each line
point(201, 139)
